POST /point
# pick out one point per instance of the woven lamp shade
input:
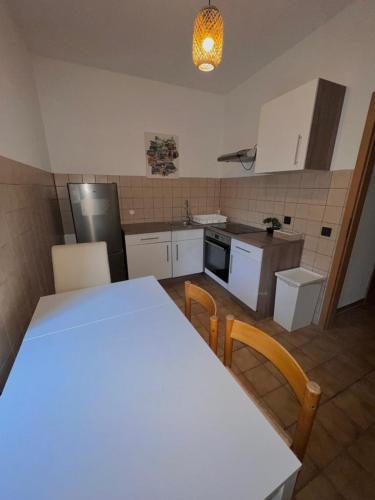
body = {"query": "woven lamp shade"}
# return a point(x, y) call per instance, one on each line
point(208, 39)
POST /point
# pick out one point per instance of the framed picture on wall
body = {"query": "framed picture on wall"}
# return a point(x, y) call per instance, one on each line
point(162, 156)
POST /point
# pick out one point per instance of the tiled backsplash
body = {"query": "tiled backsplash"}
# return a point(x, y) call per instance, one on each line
point(151, 199)
point(30, 224)
point(312, 199)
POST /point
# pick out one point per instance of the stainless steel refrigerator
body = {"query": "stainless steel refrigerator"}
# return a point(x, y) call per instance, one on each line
point(96, 217)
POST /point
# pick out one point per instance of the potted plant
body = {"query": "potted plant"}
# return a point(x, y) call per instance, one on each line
point(275, 224)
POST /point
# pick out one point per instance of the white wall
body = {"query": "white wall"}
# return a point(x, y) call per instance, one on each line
point(342, 51)
point(21, 128)
point(362, 260)
point(95, 120)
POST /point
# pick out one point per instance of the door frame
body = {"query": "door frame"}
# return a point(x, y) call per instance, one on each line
point(351, 218)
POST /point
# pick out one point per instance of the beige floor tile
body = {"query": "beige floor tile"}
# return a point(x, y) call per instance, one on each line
point(308, 472)
point(337, 423)
point(322, 447)
point(358, 410)
point(320, 488)
point(350, 479)
point(262, 379)
point(283, 403)
point(243, 359)
point(304, 360)
point(363, 451)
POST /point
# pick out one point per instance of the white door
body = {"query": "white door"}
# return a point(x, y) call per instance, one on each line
point(284, 130)
point(187, 257)
point(244, 276)
point(150, 260)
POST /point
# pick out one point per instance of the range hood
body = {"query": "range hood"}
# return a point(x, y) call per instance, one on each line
point(243, 156)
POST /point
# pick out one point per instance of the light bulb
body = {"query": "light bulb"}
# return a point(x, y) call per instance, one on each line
point(208, 44)
point(206, 67)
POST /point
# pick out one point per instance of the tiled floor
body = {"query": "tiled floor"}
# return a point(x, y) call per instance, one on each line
point(340, 460)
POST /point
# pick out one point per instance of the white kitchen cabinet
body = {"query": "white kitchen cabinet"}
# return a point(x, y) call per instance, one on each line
point(165, 254)
point(298, 130)
point(244, 272)
point(187, 257)
point(150, 259)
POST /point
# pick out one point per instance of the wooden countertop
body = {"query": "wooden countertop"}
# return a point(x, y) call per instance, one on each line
point(260, 240)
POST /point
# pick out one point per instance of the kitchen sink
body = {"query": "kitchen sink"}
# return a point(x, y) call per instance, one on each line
point(182, 223)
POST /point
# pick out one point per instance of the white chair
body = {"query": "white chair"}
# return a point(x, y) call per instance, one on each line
point(80, 265)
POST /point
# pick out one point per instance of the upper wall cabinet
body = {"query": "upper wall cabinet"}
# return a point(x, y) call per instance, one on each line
point(298, 130)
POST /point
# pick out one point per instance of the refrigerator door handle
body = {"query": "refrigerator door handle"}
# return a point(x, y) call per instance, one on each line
point(167, 252)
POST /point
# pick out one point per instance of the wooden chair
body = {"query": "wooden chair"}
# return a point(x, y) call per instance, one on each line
point(194, 292)
point(307, 392)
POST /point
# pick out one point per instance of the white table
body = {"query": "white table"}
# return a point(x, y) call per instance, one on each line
point(114, 395)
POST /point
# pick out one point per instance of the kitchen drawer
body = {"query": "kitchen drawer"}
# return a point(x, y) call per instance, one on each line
point(246, 249)
point(187, 234)
point(146, 238)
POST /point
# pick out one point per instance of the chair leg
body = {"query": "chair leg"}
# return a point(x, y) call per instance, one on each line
point(306, 419)
point(213, 333)
point(187, 300)
point(228, 346)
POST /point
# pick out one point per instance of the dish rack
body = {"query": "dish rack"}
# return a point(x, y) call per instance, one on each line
point(209, 219)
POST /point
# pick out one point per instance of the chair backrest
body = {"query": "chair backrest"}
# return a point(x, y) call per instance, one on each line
point(205, 299)
point(80, 265)
point(307, 392)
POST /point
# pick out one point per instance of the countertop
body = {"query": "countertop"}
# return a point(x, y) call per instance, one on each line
point(260, 240)
point(158, 227)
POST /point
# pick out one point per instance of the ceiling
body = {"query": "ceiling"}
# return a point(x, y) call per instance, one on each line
point(152, 38)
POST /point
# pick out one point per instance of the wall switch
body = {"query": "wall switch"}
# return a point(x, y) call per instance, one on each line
point(326, 231)
point(287, 219)
point(131, 212)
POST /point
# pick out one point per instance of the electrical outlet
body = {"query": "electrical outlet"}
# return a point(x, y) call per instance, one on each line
point(287, 219)
point(326, 231)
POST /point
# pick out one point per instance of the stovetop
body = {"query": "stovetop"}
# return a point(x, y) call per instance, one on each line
point(235, 228)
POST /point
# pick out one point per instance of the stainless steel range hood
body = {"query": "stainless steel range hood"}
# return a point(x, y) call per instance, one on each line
point(243, 156)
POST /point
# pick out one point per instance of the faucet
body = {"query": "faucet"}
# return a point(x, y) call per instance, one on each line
point(187, 217)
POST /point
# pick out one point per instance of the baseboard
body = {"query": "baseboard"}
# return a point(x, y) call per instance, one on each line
point(353, 305)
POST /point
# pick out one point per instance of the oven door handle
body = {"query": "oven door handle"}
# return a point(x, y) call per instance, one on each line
point(209, 242)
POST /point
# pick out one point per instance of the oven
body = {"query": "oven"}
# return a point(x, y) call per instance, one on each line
point(217, 255)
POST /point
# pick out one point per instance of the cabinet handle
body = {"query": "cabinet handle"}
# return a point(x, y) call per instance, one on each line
point(153, 238)
point(243, 249)
point(177, 252)
point(231, 264)
point(167, 253)
point(297, 149)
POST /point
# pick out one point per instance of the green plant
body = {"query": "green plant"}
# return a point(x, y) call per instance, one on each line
point(275, 223)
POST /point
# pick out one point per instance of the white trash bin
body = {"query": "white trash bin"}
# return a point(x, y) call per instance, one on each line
point(297, 293)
